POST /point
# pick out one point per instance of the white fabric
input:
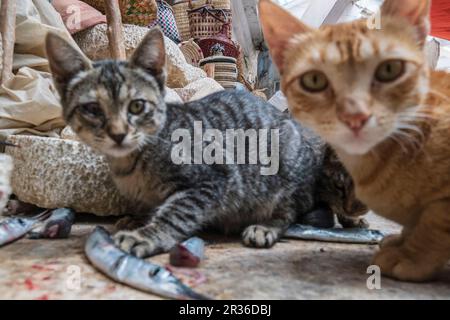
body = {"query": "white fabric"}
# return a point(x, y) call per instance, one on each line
point(28, 101)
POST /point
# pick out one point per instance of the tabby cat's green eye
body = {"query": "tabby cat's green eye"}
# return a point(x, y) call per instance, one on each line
point(390, 70)
point(314, 81)
point(136, 107)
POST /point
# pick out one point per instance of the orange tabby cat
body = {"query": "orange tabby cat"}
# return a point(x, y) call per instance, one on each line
point(371, 95)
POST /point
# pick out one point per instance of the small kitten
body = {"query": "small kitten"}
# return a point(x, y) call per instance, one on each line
point(118, 109)
point(370, 93)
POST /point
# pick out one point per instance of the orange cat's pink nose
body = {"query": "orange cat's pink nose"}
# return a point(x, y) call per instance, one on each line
point(353, 112)
point(355, 122)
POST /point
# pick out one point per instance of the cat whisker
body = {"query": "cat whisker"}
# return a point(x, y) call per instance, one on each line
point(401, 136)
point(399, 142)
point(410, 127)
point(440, 95)
point(415, 116)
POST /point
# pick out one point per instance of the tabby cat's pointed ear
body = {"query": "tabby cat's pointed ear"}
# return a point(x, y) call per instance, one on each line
point(416, 12)
point(65, 61)
point(279, 27)
point(150, 55)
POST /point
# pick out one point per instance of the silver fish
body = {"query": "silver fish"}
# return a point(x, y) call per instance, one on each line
point(135, 272)
point(58, 226)
point(14, 228)
point(354, 235)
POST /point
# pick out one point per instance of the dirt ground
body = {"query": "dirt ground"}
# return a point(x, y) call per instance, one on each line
point(58, 269)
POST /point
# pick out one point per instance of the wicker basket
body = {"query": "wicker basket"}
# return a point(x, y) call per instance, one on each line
point(182, 7)
point(225, 70)
point(192, 52)
point(219, 44)
point(138, 12)
point(221, 4)
point(180, 11)
point(206, 22)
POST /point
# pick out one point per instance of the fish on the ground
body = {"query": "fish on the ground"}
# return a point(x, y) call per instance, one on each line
point(132, 271)
point(58, 226)
point(14, 228)
point(355, 235)
point(188, 254)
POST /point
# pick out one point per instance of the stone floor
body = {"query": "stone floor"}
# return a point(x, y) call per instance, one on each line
point(45, 269)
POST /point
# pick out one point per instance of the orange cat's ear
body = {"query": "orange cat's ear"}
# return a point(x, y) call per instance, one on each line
point(417, 12)
point(279, 27)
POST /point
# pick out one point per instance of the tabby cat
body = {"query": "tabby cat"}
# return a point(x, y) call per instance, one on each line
point(118, 109)
point(370, 93)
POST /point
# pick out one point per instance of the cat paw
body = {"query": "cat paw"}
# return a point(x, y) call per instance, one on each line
point(134, 243)
point(361, 223)
point(395, 263)
point(259, 237)
point(392, 240)
point(350, 222)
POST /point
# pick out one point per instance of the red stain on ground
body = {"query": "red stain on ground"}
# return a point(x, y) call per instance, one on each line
point(190, 277)
point(43, 297)
point(29, 284)
point(111, 288)
point(42, 268)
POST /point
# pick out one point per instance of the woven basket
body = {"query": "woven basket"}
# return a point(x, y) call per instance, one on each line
point(221, 4)
point(206, 22)
point(192, 52)
point(219, 44)
point(182, 7)
point(138, 12)
point(225, 70)
point(180, 10)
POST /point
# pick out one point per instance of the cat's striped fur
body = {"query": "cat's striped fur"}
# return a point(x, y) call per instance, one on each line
point(176, 201)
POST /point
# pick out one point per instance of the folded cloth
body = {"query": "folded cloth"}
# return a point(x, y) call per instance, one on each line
point(28, 101)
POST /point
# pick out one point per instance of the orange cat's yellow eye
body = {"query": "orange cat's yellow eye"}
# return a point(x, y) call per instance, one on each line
point(314, 81)
point(390, 70)
point(136, 107)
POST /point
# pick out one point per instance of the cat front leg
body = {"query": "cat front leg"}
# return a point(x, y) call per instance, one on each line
point(177, 219)
point(423, 251)
point(265, 235)
point(352, 222)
